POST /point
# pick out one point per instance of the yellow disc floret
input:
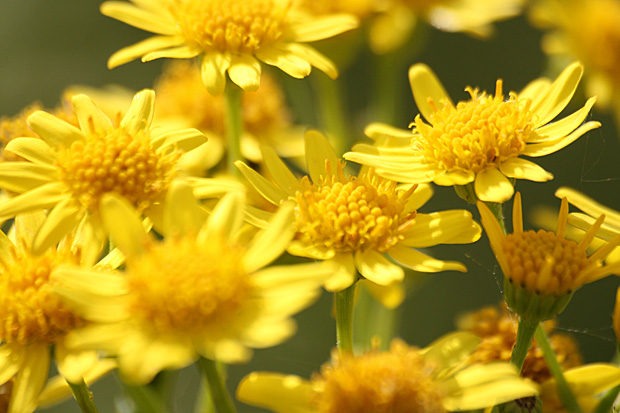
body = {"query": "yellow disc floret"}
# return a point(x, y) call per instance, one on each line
point(235, 26)
point(29, 311)
point(544, 263)
point(378, 382)
point(180, 286)
point(116, 162)
point(352, 213)
point(476, 134)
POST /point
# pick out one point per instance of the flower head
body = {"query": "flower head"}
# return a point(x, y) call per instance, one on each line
point(353, 220)
point(542, 269)
point(70, 169)
point(202, 290)
point(588, 31)
point(230, 36)
point(478, 142)
point(33, 320)
point(401, 379)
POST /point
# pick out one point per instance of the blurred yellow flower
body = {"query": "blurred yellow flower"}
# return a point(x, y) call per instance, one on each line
point(201, 291)
point(33, 321)
point(478, 143)
point(69, 169)
point(542, 269)
point(230, 36)
point(588, 31)
point(433, 379)
point(353, 220)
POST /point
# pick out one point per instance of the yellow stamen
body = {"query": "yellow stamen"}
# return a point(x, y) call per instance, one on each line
point(235, 26)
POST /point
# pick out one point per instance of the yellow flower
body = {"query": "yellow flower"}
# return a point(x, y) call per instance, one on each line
point(33, 321)
point(182, 100)
point(352, 221)
point(497, 329)
point(542, 269)
point(203, 290)
point(230, 36)
point(478, 142)
point(609, 229)
point(397, 19)
point(588, 384)
point(69, 169)
point(588, 31)
point(433, 379)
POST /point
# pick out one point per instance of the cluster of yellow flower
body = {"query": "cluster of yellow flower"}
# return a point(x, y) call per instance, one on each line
point(140, 230)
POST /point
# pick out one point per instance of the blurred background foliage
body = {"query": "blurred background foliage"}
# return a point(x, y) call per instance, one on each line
point(46, 46)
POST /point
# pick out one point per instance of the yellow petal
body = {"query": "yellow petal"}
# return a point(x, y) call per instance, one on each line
point(137, 17)
point(286, 61)
point(420, 196)
point(451, 349)
point(182, 213)
point(321, 159)
point(418, 261)
point(391, 296)
point(278, 392)
point(43, 197)
point(523, 169)
point(25, 176)
point(376, 268)
point(426, 87)
point(245, 72)
point(184, 139)
point(590, 206)
point(345, 273)
point(546, 148)
point(62, 220)
point(267, 189)
point(90, 116)
point(224, 221)
point(140, 114)
point(74, 365)
point(322, 27)
point(129, 53)
point(310, 251)
point(179, 52)
point(11, 360)
point(589, 380)
point(454, 178)
point(54, 131)
point(33, 149)
point(213, 72)
point(558, 95)
point(30, 379)
point(565, 125)
point(492, 186)
point(315, 58)
point(444, 227)
point(124, 224)
point(382, 131)
point(279, 171)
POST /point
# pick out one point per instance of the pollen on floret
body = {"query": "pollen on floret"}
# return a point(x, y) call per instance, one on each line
point(235, 26)
point(116, 162)
point(180, 286)
point(352, 213)
point(378, 382)
point(543, 262)
point(484, 131)
point(29, 311)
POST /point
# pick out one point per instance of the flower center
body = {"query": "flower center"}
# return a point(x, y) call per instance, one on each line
point(484, 131)
point(116, 162)
point(498, 331)
point(378, 382)
point(234, 26)
point(181, 94)
point(597, 35)
point(349, 214)
point(179, 286)
point(529, 252)
point(29, 312)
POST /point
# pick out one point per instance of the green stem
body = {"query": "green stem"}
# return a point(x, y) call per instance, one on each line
point(525, 335)
point(386, 99)
point(344, 301)
point(214, 378)
point(373, 319)
point(498, 211)
point(234, 126)
point(607, 402)
point(204, 402)
point(566, 396)
point(83, 396)
point(333, 114)
point(145, 399)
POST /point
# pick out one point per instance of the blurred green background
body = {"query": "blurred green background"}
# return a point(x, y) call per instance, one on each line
point(46, 46)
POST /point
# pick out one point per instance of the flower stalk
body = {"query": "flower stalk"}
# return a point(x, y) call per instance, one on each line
point(344, 303)
point(213, 376)
point(83, 396)
point(234, 126)
point(525, 335)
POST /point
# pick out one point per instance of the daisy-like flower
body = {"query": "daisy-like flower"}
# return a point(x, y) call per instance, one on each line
point(433, 379)
point(497, 329)
point(33, 320)
point(476, 145)
point(230, 36)
point(201, 291)
point(354, 221)
point(609, 229)
point(69, 169)
point(542, 269)
point(267, 120)
point(588, 31)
